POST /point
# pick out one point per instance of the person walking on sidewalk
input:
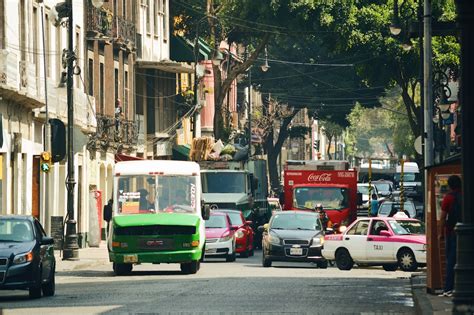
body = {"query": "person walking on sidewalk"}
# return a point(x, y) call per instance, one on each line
point(450, 215)
point(108, 214)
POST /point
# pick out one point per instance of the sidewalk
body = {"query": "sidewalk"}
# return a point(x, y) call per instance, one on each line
point(426, 303)
point(88, 257)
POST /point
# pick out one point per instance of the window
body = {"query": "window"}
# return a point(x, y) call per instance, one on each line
point(101, 88)
point(36, 55)
point(377, 226)
point(59, 62)
point(165, 20)
point(148, 16)
point(124, 9)
point(116, 77)
point(361, 228)
point(125, 93)
point(90, 79)
point(156, 16)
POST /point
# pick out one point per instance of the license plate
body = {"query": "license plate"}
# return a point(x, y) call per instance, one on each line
point(296, 251)
point(130, 258)
point(211, 251)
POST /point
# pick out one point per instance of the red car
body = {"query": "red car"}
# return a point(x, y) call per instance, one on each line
point(243, 233)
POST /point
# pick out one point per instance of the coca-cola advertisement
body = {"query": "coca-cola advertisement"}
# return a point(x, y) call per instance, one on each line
point(323, 177)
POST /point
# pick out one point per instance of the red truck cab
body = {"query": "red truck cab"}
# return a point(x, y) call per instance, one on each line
point(329, 183)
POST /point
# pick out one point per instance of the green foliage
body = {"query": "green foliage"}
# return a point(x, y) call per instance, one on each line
point(299, 131)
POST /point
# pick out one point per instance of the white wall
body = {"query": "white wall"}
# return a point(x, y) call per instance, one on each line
point(155, 43)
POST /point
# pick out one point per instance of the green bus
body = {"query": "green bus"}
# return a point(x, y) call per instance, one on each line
point(157, 215)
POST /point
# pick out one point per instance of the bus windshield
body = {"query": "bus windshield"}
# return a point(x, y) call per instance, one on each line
point(156, 193)
point(222, 182)
point(331, 198)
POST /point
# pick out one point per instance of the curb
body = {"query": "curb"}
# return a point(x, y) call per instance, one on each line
point(420, 298)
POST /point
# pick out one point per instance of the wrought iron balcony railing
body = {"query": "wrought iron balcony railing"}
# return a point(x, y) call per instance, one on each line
point(102, 23)
point(114, 132)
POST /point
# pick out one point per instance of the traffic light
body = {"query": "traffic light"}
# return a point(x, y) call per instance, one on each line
point(45, 164)
point(58, 140)
point(316, 145)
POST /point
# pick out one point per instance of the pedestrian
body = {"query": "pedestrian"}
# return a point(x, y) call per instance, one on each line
point(108, 214)
point(450, 215)
point(374, 206)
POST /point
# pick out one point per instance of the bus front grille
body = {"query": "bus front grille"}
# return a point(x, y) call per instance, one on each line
point(155, 230)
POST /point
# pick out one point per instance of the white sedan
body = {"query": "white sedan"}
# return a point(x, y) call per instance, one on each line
point(390, 242)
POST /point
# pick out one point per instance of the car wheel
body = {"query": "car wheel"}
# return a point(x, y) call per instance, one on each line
point(49, 288)
point(190, 268)
point(35, 290)
point(265, 261)
point(230, 258)
point(122, 269)
point(322, 264)
point(390, 267)
point(406, 260)
point(344, 260)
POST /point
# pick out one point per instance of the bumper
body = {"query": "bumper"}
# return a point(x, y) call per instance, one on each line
point(19, 277)
point(156, 257)
point(420, 256)
point(282, 253)
point(329, 254)
point(241, 245)
point(219, 248)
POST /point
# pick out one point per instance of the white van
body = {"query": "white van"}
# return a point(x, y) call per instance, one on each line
point(411, 179)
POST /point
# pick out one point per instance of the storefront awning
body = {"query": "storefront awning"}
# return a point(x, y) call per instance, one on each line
point(181, 152)
point(123, 157)
point(166, 65)
point(182, 49)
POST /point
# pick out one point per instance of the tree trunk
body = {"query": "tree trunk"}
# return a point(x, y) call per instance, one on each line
point(328, 150)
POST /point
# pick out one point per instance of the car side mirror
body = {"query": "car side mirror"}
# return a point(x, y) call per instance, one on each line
point(47, 240)
point(385, 233)
point(249, 222)
point(205, 211)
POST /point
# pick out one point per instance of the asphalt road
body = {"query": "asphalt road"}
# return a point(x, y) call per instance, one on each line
point(222, 288)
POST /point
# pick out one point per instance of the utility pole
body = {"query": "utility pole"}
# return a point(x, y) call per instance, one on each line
point(427, 86)
point(47, 131)
point(249, 113)
point(463, 297)
point(71, 247)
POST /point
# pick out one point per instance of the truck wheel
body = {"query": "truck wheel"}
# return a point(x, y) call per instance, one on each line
point(122, 269)
point(344, 260)
point(322, 264)
point(406, 260)
point(190, 268)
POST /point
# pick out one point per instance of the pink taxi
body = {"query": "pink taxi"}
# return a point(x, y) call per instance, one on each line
point(390, 242)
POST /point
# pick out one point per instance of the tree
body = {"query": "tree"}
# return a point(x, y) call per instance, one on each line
point(331, 130)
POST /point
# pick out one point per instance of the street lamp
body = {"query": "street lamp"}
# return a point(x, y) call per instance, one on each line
point(265, 66)
point(395, 27)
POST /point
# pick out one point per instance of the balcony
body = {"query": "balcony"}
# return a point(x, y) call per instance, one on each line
point(113, 133)
point(103, 24)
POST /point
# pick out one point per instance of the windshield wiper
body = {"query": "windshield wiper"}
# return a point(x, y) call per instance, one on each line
point(277, 228)
point(13, 241)
point(304, 229)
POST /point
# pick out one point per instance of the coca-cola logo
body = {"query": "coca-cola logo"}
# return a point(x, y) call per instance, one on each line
point(324, 177)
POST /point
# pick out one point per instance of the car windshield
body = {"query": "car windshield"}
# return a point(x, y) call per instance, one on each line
point(235, 218)
point(297, 221)
point(157, 193)
point(408, 177)
point(405, 227)
point(222, 182)
point(390, 208)
point(15, 230)
point(329, 197)
point(382, 186)
point(216, 222)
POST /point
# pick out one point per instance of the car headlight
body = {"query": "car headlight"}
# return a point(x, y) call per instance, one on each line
point(226, 238)
point(274, 239)
point(239, 234)
point(23, 258)
point(317, 241)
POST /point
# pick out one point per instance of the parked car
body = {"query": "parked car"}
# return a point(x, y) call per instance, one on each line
point(295, 236)
point(384, 188)
point(243, 232)
point(220, 237)
point(388, 208)
point(26, 256)
point(385, 241)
